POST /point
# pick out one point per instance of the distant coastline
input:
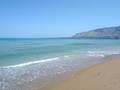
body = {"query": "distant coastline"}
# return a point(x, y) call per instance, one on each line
point(101, 33)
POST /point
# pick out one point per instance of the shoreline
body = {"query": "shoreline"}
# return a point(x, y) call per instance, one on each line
point(55, 80)
point(101, 76)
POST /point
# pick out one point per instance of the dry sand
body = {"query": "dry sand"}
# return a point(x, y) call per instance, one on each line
point(105, 76)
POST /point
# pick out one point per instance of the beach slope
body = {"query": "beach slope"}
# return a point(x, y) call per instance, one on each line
point(105, 76)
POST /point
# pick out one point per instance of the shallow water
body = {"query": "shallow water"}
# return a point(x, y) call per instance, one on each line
point(23, 61)
point(18, 51)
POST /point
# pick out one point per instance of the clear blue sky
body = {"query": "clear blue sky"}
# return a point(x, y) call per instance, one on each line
point(56, 18)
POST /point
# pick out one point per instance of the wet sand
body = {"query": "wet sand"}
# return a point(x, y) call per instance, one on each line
point(104, 76)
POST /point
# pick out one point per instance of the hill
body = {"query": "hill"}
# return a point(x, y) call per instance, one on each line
point(102, 33)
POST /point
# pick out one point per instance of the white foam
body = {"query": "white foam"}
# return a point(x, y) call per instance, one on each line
point(102, 53)
point(33, 62)
point(95, 54)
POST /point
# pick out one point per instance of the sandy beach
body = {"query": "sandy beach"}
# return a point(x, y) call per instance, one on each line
point(104, 76)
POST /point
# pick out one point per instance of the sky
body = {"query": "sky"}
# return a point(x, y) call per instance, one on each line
point(55, 18)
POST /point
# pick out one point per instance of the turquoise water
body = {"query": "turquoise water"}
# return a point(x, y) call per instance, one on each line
point(18, 51)
point(25, 62)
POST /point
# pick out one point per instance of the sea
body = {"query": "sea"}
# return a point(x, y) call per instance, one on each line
point(24, 62)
